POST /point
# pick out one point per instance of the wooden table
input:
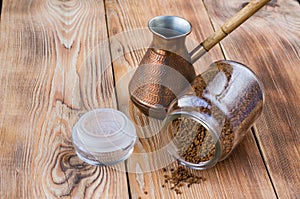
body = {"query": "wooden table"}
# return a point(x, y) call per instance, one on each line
point(61, 58)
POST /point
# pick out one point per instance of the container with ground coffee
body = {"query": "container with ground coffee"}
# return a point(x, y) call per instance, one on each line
point(206, 122)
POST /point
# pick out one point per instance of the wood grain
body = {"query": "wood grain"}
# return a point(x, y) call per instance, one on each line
point(55, 65)
point(232, 23)
point(243, 175)
point(275, 59)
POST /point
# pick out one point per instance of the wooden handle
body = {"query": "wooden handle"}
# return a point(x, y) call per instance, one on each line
point(234, 22)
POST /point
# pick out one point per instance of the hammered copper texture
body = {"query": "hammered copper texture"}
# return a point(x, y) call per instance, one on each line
point(160, 77)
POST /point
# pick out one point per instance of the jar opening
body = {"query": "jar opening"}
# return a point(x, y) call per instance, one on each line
point(193, 142)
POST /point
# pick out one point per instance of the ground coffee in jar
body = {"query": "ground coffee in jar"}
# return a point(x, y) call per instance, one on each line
point(209, 119)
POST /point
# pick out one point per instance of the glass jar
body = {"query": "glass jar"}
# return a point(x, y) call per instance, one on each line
point(211, 117)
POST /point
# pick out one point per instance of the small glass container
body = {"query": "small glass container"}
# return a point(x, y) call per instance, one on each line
point(206, 122)
point(104, 137)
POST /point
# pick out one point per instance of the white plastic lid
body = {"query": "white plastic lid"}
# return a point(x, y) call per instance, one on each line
point(104, 130)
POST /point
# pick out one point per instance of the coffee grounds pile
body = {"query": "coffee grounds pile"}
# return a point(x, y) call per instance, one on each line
point(180, 177)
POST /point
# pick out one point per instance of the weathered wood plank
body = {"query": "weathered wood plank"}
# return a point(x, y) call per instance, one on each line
point(269, 44)
point(54, 66)
point(242, 175)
